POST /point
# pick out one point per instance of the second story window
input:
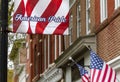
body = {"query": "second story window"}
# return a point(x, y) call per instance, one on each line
point(71, 29)
point(60, 45)
point(117, 4)
point(45, 54)
point(48, 49)
point(88, 21)
point(78, 20)
point(103, 10)
point(55, 46)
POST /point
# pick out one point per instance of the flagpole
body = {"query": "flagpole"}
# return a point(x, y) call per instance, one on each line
point(3, 40)
point(70, 58)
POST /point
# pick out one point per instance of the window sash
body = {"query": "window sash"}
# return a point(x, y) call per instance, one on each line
point(103, 9)
point(88, 21)
point(117, 4)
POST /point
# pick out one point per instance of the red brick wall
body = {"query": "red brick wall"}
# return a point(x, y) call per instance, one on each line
point(108, 40)
point(110, 7)
point(97, 13)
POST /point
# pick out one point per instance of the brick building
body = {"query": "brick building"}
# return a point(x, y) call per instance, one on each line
point(107, 17)
point(93, 23)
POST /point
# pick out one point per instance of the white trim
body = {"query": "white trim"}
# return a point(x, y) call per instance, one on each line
point(115, 63)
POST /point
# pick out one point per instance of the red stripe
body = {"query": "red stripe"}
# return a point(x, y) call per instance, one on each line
point(115, 78)
point(87, 77)
point(29, 8)
point(105, 73)
point(93, 75)
point(20, 10)
point(62, 27)
point(110, 75)
point(50, 11)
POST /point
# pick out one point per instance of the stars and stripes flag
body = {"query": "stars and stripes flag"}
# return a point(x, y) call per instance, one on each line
point(100, 71)
point(41, 16)
point(84, 74)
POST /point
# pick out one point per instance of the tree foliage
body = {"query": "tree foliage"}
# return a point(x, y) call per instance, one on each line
point(15, 49)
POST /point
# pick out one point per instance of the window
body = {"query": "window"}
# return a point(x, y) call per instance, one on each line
point(88, 21)
point(60, 45)
point(103, 10)
point(55, 50)
point(45, 54)
point(48, 50)
point(35, 60)
point(78, 20)
point(117, 4)
point(28, 50)
point(71, 29)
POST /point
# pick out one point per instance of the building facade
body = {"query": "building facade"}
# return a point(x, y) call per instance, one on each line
point(93, 23)
point(107, 15)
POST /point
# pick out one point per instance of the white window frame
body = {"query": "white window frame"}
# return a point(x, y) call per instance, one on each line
point(117, 4)
point(71, 29)
point(88, 30)
point(28, 50)
point(103, 10)
point(78, 20)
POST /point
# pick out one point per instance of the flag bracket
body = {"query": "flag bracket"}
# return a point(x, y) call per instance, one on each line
point(88, 47)
point(70, 58)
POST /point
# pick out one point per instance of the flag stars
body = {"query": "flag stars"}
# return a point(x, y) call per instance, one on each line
point(97, 62)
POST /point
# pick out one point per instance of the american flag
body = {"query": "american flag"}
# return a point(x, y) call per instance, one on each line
point(41, 16)
point(100, 71)
point(84, 74)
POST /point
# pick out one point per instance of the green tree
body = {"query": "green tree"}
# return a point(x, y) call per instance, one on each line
point(15, 49)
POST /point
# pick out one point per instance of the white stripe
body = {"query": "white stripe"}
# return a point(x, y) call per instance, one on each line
point(23, 27)
point(63, 11)
point(17, 3)
point(38, 11)
point(108, 74)
point(91, 74)
point(95, 76)
point(66, 32)
point(102, 72)
point(84, 79)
